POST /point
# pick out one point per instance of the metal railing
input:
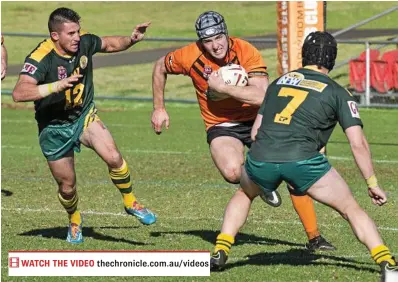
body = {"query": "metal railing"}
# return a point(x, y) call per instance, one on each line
point(365, 99)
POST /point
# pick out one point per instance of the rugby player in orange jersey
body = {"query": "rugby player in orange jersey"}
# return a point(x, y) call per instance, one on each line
point(228, 116)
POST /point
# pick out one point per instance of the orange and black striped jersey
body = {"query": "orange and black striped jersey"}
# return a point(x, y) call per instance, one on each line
point(193, 61)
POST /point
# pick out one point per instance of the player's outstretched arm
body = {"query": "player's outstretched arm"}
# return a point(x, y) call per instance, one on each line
point(112, 44)
point(360, 150)
point(27, 90)
point(160, 117)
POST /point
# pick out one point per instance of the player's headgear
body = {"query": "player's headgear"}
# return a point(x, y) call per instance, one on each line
point(210, 23)
point(319, 48)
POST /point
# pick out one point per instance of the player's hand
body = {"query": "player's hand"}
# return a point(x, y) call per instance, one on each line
point(67, 82)
point(216, 82)
point(159, 119)
point(3, 69)
point(139, 32)
point(378, 196)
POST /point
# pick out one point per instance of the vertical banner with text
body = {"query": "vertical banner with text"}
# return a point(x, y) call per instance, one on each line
point(295, 21)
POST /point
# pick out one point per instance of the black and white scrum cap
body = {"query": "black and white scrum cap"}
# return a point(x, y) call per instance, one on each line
point(210, 23)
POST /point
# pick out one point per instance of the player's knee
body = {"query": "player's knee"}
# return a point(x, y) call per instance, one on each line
point(114, 160)
point(232, 174)
point(67, 189)
point(350, 209)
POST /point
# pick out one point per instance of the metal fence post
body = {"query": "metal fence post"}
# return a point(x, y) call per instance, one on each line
point(367, 80)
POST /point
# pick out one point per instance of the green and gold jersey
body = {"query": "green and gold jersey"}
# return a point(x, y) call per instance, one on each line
point(300, 111)
point(46, 65)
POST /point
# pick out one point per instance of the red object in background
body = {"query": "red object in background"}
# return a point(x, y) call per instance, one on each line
point(395, 75)
point(383, 78)
point(358, 70)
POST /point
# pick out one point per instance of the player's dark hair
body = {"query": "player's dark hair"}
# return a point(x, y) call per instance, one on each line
point(60, 16)
point(320, 49)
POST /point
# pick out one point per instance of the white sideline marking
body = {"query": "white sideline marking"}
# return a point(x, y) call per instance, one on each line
point(351, 159)
point(123, 150)
point(108, 124)
point(336, 158)
point(28, 210)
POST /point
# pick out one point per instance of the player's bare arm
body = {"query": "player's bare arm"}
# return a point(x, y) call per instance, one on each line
point(256, 126)
point(160, 116)
point(3, 61)
point(27, 90)
point(112, 44)
point(360, 150)
point(252, 94)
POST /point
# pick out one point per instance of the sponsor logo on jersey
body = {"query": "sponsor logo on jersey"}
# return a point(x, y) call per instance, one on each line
point(62, 73)
point(83, 62)
point(298, 79)
point(170, 61)
point(207, 71)
point(29, 68)
point(353, 109)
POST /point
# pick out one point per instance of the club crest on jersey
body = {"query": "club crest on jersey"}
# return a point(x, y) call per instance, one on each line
point(207, 71)
point(353, 109)
point(29, 68)
point(62, 73)
point(83, 62)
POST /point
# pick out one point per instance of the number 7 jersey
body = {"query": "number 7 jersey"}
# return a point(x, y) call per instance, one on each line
point(300, 111)
point(46, 65)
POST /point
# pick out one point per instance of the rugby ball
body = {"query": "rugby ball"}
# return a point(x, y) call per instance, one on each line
point(233, 74)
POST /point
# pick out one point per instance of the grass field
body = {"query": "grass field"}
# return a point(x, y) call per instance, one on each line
point(174, 175)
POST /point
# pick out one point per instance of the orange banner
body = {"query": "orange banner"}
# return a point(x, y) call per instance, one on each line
point(295, 21)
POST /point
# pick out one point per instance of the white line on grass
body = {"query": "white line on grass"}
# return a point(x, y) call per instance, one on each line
point(123, 150)
point(41, 210)
point(351, 159)
point(336, 158)
point(23, 121)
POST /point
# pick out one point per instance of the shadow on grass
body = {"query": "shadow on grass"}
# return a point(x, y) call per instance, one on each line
point(297, 257)
point(6, 193)
point(241, 238)
point(60, 233)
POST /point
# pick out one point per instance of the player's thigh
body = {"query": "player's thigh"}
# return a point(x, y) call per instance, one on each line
point(267, 176)
point(333, 191)
point(227, 153)
point(63, 170)
point(301, 175)
point(57, 141)
point(97, 137)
